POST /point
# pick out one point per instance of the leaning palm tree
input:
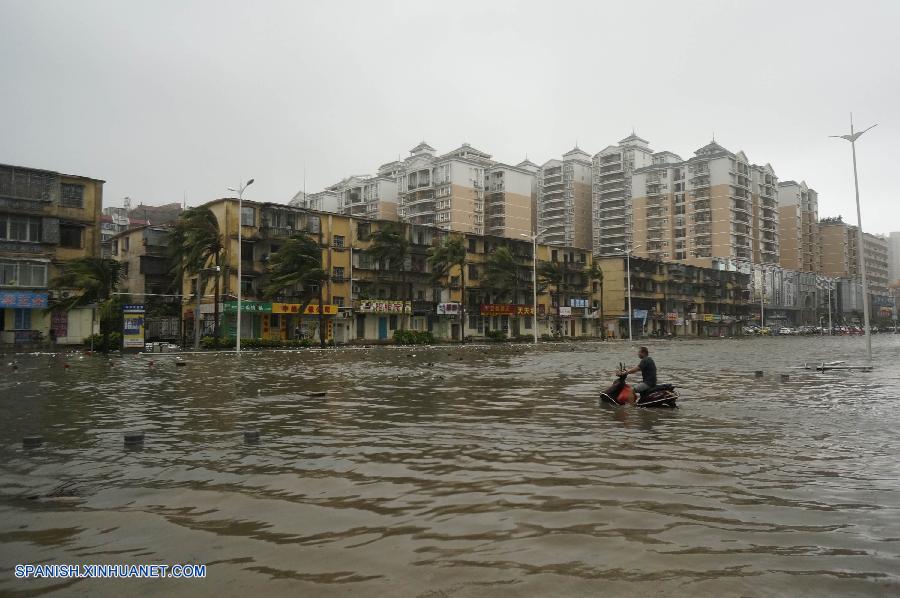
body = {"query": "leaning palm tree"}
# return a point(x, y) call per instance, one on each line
point(296, 270)
point(502, 276)
point(391, 247)
point(98, 279)
point(442, 259)
point(595, 273)
point(194, 242)
point(553, 274)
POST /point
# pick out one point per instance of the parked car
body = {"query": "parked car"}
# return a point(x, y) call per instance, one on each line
point(786, 331)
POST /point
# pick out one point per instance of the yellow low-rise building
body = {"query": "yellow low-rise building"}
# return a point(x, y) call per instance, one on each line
point(46, 219)
point(368, 300)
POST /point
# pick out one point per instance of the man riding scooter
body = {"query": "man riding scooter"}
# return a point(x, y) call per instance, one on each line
point(647, 368)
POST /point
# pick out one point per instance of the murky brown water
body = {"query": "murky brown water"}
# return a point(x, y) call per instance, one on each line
point(463, 472)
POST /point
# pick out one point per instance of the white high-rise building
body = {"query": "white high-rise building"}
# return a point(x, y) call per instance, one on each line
point(564, 200)
point(612, 168)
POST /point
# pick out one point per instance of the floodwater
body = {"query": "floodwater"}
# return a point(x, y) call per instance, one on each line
point(452, 471)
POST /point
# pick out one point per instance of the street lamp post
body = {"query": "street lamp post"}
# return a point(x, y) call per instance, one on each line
point(240, 192)
point(861, 252)
point(534, 306)
point(627, 253)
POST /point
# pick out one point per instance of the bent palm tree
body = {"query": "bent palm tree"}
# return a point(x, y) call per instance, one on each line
point(194, 241)
point(98, 279)
point(295, 270)
point(502, 277)
point(391, 246)
point(595, 273)
point(553, 274)
point(451, 253)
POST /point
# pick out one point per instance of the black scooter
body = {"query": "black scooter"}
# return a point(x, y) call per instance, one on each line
point(661, 395)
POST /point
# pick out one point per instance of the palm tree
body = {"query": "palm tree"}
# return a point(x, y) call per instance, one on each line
point(502, 276)
point(194, 241)
point(553, 274)
point(298, 263)
point(98, 279)
point(442, 259)
point(391, 247)
point(595, 273)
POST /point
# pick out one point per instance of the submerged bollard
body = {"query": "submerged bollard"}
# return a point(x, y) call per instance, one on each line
point(134, 438)
point(251, 436)
point(758, 373)
point(785, 377)
point(32, 441)
point(317, 393)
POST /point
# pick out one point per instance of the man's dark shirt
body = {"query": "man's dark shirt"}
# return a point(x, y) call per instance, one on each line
point(648, 370)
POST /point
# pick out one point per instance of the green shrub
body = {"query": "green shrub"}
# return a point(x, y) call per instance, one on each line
point(495, 335)
point(113, 342)
point(413, 337)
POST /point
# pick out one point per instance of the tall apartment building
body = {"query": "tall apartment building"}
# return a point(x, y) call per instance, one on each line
point(894, 257)
point(798, 226)
point(767, 244)
point(840, 255)
point(611, 173)
point(445, 191)
point(46, 219)
point(704, 208)
point(508, 201)
point(327, 200)
point(369, 197)
point(564, 201)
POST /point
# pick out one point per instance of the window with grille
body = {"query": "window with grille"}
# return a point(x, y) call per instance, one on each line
point(70, 236)
point(71, 196)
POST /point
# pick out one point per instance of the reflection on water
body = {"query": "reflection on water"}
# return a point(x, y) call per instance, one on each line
point(464, 471)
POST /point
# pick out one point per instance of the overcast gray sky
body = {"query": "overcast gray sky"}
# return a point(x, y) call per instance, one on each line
point(164, 99)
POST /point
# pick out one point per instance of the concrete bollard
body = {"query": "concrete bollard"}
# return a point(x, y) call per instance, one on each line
point(785, 377)
point(251, 436)
point(134, 438)
point(758, 373)
point(32, 441)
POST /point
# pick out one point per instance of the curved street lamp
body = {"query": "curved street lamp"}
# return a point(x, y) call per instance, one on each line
point(861, 252)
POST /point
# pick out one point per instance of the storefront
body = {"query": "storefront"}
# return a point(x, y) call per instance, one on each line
point(509, 318)
point(278, 321)
point(377, 319)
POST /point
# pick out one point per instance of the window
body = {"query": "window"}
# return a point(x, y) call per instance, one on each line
point(9, 273)
point(339, 301)
point(472, 246)
point(125, 244)
point(553, 256)
point(71, 196)
point(70, 236)
point(20, 228)
point(393, 323)
point(124, 268)
point(338, 272)
point(246, 251)
point(527, 323)
point(312, 224)
point(248, 216)
point(473, 272)
point(339, 241)
point(22, 319)
point(363, 231)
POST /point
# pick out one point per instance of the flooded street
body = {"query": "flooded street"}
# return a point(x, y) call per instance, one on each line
point(452, 471)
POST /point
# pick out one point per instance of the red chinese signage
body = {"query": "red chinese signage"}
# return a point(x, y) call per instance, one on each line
point(506, 309)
